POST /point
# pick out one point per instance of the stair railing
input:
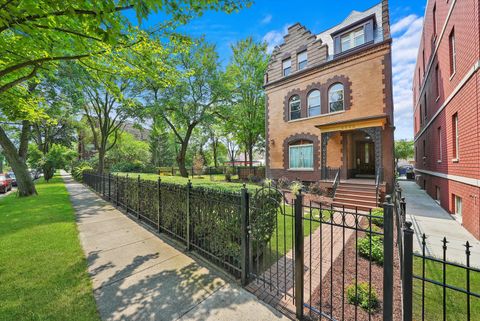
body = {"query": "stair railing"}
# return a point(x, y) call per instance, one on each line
point(335, 184)
point(378, 180)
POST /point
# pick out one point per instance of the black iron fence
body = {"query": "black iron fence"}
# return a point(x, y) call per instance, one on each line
point(434, 288)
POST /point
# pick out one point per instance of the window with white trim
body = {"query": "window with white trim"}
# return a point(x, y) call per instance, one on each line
point(301, 155)
point(439, 137)
point(458, 206)
point(302, 60)
point(294, 106)
point(456, 142)
point(314, 103)
point(353, 39)
point(335, 98)
point(287, 66)
point(453, 52)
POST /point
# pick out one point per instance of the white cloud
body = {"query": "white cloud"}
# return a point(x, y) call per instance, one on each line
point(266, 20)
point(274, 38)
point(406, 33)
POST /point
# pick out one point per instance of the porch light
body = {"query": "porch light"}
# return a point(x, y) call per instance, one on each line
point(368, 137)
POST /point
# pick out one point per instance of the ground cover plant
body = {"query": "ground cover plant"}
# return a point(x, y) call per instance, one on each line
point(43, 270)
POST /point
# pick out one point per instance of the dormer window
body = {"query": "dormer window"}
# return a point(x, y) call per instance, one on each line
point(353, 39)
point(287, 67)
point(302, 60)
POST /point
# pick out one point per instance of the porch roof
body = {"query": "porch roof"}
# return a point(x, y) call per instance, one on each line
point(352, 124)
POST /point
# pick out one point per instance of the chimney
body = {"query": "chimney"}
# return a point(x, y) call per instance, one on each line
point(385, 20)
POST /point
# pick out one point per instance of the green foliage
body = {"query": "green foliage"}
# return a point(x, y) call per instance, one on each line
point(127, 150)
point(58, 157)
point(371, 243)
point(245, 79)
point(404, 149)
point(377, 217)
point(265, 205)
point(360, 295)
point(80, 168)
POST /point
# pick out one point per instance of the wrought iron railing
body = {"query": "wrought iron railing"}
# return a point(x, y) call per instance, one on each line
point(335, 184)
point(378, 181)
point(329, 173)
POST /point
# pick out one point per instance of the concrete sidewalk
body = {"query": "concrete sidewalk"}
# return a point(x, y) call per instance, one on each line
point(430, 218)
point(138, 276)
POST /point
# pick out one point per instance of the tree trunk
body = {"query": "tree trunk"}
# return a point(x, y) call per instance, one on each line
point(250, 155)
point(215, 156)
point(181, 160)
point(101, 161)
point(25, 184)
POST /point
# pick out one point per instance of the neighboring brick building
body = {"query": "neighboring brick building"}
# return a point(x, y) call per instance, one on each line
point(329, 101)
point(446, 109)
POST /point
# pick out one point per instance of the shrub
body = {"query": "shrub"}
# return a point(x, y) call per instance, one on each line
point(228, 177)
point(265, 205)
point(283, 182)
point(316, 189)
point(363, 247)
point(128, 167)
point(254, 179)
point(359, 294)
point(150, 168)
point(378, 220)
point(79, 169)
point(296, 187)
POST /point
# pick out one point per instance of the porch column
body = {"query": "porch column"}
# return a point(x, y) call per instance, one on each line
point(325, 138)
point(376, 134)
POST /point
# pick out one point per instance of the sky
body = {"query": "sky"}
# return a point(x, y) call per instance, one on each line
point(268, 20)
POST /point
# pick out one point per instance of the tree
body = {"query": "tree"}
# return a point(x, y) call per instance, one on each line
point(106, 103)
point(404, 149)
point(193, 101)
point(246, 73)
point(35, 35)
point(57, 157)
point(128, 149)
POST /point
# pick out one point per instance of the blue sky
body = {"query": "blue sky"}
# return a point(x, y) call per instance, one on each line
point(268, 20)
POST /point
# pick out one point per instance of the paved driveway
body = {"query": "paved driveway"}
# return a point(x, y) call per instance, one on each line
point(430, 218)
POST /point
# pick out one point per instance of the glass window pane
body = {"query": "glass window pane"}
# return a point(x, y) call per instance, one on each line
point(346, 42)
point(295, 107)
point(301, 157)
point(335, 97)
point(314, 103)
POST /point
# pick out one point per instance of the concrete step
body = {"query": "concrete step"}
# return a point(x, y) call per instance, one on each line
point(359, 202)
point(353, 206)
point(371, 193)
point(352, 195)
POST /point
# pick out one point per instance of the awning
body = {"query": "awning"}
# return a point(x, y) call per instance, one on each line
point(358, 123)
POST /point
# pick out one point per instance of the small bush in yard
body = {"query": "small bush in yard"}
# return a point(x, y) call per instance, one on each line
point(363, 247)
point(283, 182)
point(316, 189)
point(361, 296)
point(79, 169)
point(377, 216)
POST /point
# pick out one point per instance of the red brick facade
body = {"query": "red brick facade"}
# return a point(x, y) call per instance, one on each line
point(442, 89)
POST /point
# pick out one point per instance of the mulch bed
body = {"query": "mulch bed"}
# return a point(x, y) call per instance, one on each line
point(341, 309)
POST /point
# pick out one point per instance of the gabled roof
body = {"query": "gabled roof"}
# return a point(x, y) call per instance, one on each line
point(353, 17)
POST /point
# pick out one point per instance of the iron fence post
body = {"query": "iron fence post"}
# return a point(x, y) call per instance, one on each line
point(388, 257)
point(159, 209)
point(403, 205)
point(117, 190)
point(189, 187)
point(138, 197)
point(244, 235)
point(299, 263)
point(109, 186)
point(407, 277)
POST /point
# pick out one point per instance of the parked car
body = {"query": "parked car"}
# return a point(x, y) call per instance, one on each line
point(5, 183)
point(14, 179)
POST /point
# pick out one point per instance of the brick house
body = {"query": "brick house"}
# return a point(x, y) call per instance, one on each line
point(446, 109)
point(329, 102)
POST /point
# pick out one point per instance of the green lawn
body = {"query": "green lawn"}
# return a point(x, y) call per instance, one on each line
point(282, 238)
point(456, 301)
point(203, 181)
point(42, 267)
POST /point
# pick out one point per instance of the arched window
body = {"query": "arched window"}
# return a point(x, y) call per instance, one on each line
point(335, 98)
point(294, 105)
point(314, 103)
point(301, 155)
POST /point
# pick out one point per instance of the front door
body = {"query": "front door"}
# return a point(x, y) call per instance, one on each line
point(365, 158)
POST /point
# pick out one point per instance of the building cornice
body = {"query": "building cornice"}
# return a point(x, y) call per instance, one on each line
point(332, 63)
point(461, 179)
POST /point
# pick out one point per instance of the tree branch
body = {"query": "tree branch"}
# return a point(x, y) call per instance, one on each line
point(19, 80)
